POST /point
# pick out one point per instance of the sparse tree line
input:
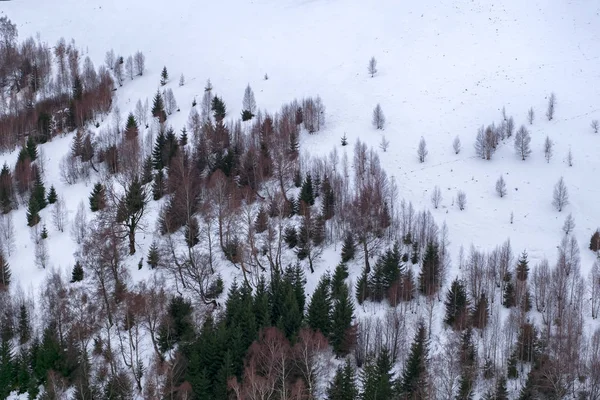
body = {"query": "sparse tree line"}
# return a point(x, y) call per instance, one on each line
point(37, 105)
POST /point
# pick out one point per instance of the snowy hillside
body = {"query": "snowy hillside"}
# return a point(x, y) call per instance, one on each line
point(444, 69)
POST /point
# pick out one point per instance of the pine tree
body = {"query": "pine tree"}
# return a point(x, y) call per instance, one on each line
point(164, 76)
point(33, 216)
point(158, 152)
point(147, 170)
point(468, 355)
point(307, 192)
point(98, 198)
point(348, 248)
point(6, 367)
point(261, 304)
point(158, 186)
point(343, 386)
point(261, 223)
point(153, 257)
point(192, 232)
point(31, 148)
point(5, 274)
point(344, 140)
point(77, 274)
point(44, 234)
point(595, 241)
point(6, 190)
point(52, 196)
point(522, 267)
point(158, 108)
point(218, 108)
point(362, 287)
point(24, 324)
point(480, 315)
point(509, 296)
point(39, 192)
point(429, 278)
point(457, 304)
point(290, 236)
point(131, 128)
point(318, 315)
point(183, 139)
point(377, 378)
point(338, 280)
point(414, 381)
point(341, 320)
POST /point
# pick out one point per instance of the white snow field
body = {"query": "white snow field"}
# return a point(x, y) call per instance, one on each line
point(445, 68)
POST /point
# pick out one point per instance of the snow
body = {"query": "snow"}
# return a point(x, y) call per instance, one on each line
point(444, 69)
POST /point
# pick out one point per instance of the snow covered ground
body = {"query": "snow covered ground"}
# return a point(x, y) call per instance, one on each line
point(446, 67)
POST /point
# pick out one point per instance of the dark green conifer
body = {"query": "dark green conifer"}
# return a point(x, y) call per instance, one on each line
point(290, 236)
point(158, 108)
point(77, 274)
point(131, 128)
point(261, 221)
point(414, 381)
point(33, 216)
point(429, 278)
point(31, 148)
point(7, 367)
point(348, 247)
point(52, 196)
point(522, 267)
point(218, 108)
point(457, 304)
point(164, 76)
point(153, 257)
point(512, 371)
point(39, 191)
point(509, 298)
point(343, 386)
point(480, 315)
point(307, 192)
point(147, 170)
point(24, 324)
point(377, 377)
point(338, 280)
point(97, 197)
point(6, 190)
point(158, 186)
point(318, 314)
point(328, 199)
point(342, 336)
point(44, 233)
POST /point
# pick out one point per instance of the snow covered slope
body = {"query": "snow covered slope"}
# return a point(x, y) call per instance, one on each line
point(445, 68)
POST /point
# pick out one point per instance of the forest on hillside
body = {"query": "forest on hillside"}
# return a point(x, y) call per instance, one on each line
point(242, 219)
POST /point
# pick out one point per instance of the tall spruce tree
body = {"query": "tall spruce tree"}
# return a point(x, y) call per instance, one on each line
point(39, 192)
point(97, 198)
point(33, 216)
point(457, 305)
point(307, 194)
point(341, 321)
point(218, 108)
point(430, 276)
point(77, 273)
point(52, 196)
point(318, 315)
point(7, 199)
point(343, 386)
point(523, 267)
point(31, 148)
point(414, 381)
point(377, 378)
point(131, 128)
point(164, 76)
point(158, 108)
point(479, 317)
point(348, 247)
point(509, 298)
point(158, 186)
point(7, 367)
point(338, 280)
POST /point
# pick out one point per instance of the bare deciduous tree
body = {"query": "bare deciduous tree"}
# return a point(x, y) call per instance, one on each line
point(118, 70)
point(384, 144)
point(548, 149)
point(461, 200)
point(422, 150)
point(551, 106)
point(109, 59)
point(560, 198)
point(139, 61)
point(456, 146)
point(595, 125)
point(249, 102)
point(378, 117)
point(181, 80)
point(80, 224)
point(59, 214)
point(501, 186)
point(129, 70)
point(522, 143)
point(530, 116)
point(372, 66)
point(7, 234)
point(570, 158)
point(436, 197)
point(594, 288)
point(569, 224)
point(510, 127)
